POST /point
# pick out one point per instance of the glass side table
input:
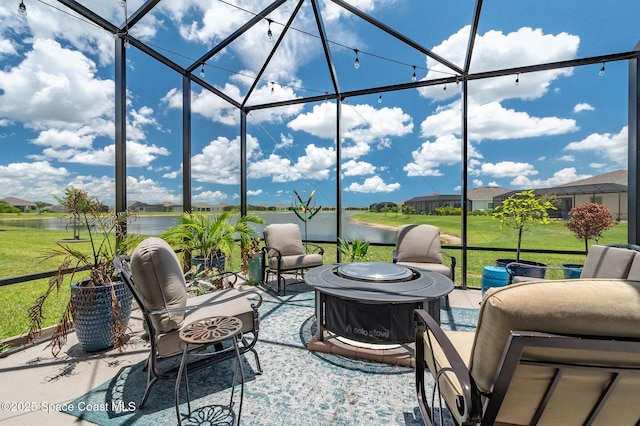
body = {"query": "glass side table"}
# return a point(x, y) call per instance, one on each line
point(208, 331)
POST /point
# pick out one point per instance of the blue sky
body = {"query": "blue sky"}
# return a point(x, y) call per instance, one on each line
point(553, 127)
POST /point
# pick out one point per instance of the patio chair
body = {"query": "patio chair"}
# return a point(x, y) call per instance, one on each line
point(611, 261)
point(284, 251)
point(418, 246)
point(155, 277)
point(551, 352)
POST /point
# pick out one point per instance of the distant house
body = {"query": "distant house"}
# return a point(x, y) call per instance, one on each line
point(427, 204)
point(139, 206)
point(23, 205)
point(172, 207)
point(481, 198)
point(377, 207)
point(610, 189)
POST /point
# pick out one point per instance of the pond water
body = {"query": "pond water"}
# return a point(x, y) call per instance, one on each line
point(321, 228)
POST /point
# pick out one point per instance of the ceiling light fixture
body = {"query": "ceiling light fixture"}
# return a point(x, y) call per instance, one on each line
point(356, 63)
point(22, 9)
point(269, 32)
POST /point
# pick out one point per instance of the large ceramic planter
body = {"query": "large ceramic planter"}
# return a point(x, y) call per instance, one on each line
point(94, 315)
point(523, 271)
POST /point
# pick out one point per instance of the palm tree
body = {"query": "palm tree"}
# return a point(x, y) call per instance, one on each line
point(201, 236)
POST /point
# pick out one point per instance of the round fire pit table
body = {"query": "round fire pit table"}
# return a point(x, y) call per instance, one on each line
point(373, 302)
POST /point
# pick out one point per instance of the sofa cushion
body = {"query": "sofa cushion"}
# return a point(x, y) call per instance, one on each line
point(159, 278)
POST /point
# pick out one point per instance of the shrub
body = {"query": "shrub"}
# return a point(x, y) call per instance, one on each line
point(589, 221)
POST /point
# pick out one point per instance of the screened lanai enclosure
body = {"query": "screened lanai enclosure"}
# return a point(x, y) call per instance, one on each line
point(362, 101)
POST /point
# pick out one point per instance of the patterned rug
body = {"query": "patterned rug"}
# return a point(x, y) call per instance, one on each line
point(297, 387)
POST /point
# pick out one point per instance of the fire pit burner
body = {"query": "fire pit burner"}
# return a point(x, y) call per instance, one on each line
point(375, 272)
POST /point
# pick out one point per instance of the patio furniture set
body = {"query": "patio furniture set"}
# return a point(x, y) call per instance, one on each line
point(576, 356)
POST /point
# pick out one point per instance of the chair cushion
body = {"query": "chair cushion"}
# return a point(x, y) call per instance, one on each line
point(596, 307)
point(288, 263)
point(284, 237)
point(418, 243)
point(607, 262)
point(433, 267)
point(634, 270)
point(449, 386)
point(229, 302)
point(159, 278)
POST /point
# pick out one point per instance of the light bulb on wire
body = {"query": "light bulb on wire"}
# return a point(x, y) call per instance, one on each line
point(22, 9)
point(518, 79)
point(202, 71)
point(356, 63)
point(380, 99)
point(601, 73)
point(413, 76)
point(269, 32)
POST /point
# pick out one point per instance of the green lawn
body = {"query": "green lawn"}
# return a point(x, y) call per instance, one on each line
point(21, 249)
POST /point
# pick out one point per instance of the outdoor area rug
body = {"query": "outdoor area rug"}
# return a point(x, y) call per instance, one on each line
point(297, 387)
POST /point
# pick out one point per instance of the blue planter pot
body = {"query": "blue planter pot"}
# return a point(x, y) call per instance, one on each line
point(572, 271)
point(93, 314)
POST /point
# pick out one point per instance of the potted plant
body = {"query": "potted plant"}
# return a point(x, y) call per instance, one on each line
point(587, 221)
point(522, 211)
point(208, 241)
point(252, 261)
point(354, 252)
point(99, 304)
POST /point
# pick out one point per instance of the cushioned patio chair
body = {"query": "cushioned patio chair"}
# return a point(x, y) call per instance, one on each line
point(284, 251)
point(155, 277)
point(418, 246)
point(563, 352)
point(611, 261)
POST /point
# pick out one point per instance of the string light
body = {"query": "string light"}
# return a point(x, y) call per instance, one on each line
point(272, 87)
point(380, 99)
point(602, 70)
point(518, 79)
point(269, 32)
point(445, 87)
point(202, 71)
point(413, 77)
point(22, 9)
point(356, 63)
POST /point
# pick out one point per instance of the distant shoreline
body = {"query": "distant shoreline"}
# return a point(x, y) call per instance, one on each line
point(446, 238)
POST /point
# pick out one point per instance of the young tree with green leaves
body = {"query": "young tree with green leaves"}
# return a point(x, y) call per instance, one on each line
point(522, 211)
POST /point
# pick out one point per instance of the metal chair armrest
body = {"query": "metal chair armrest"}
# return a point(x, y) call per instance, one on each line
point(469, 404)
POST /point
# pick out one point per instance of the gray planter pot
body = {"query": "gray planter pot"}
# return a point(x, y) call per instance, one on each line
point(215, 262)
point(538, 271)
point(93, 316)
